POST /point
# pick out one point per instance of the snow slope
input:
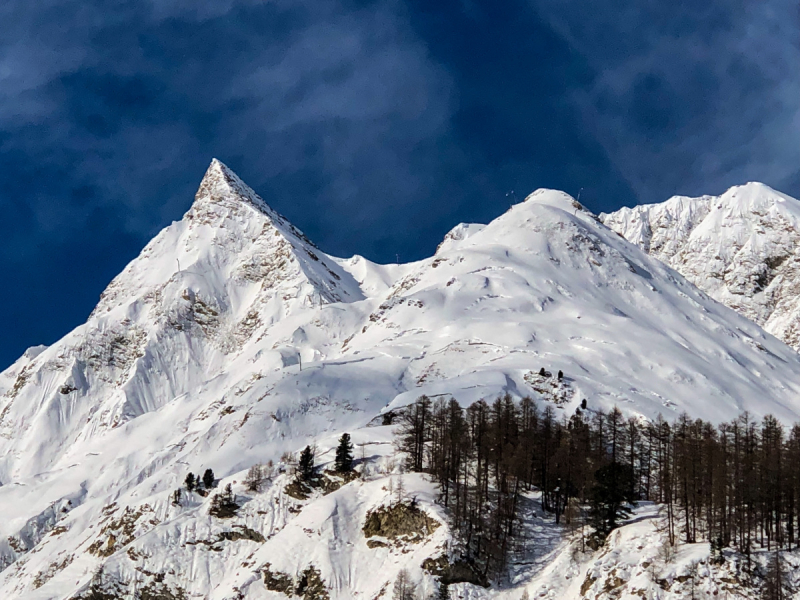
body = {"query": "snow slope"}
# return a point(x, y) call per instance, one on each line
point(633, 564)
point(232, 339)
point(742, 248)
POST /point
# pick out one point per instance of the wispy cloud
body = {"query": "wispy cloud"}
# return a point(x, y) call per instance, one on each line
point(99, 108)
point(690, 97)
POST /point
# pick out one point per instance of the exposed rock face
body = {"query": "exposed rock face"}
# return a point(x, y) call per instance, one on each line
point(308, 585)
point(741, 248)
point(458, 572)
point(400, 521)
point(275, 581)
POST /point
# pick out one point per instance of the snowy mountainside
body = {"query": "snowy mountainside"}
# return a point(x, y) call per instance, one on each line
point(232, 340)
point(230, 268)
point(742, 248)
point(635, 562)
point(546, 285)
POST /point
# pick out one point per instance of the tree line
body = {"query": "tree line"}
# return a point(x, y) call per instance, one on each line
point(735, 484)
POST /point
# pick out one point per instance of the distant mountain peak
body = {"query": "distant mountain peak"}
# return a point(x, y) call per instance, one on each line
point(553, 198)
point(739, 247)
point(754, 187)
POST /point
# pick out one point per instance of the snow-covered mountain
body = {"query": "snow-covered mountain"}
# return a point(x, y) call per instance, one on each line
point(232, 340)
point(742, 248)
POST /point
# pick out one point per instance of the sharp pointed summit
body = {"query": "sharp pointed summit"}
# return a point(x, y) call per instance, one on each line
point(229, 238)
point(220, 184)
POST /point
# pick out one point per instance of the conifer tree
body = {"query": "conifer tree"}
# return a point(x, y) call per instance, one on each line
point(306, 464)
point(208, 479)
point(414, 432)
point(400, 490)
point(344, 455)
point(223, 505)
point(612, 492)
point(404, 588)
point(190, 482)
point(776, 581)
point(254, 478)
point(227, 494)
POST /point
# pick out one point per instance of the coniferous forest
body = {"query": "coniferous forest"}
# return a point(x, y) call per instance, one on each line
point(734, 484)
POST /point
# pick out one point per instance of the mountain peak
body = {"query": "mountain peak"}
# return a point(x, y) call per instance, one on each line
point(555, 198)
point(739, 248)
point(758, 196)
point(221, 185)
point(754, 187)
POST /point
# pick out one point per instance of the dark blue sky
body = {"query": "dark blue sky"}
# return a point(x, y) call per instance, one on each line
point(374, 126)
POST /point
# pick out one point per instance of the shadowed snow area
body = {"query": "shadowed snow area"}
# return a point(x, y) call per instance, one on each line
point(232, 339)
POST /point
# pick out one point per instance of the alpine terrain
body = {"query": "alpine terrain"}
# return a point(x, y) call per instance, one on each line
point(741, 248)
point(232, 342)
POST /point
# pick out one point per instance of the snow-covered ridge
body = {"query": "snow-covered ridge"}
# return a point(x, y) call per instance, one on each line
point(232, 339)
point(742, 248)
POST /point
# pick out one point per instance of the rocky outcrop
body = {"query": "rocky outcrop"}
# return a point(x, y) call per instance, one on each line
point(403, 521)
point(309, 585)
point(459, 571)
